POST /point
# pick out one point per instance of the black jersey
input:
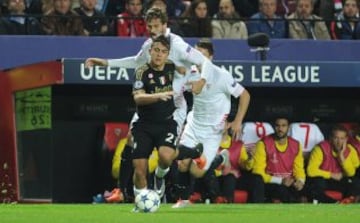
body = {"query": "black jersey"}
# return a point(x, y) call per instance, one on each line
point(152, 81)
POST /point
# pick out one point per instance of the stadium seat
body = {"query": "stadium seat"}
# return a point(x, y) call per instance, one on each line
point(114, 131)
point(240, 196)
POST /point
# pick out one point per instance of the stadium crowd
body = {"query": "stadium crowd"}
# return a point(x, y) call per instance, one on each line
point(295, 19)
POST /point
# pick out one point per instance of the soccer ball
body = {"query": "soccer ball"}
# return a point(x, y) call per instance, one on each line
point(147, 201)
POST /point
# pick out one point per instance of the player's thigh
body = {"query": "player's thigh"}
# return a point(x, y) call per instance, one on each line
point(143, 142)
point(188, 137)
point(166, 135)
point(211, 146)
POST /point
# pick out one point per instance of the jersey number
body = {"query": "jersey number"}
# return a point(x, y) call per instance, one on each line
point(307, 132)
point(260, 129)
point(170, 138)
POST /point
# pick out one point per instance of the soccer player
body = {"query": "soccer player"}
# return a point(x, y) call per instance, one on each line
point(278, 168)
point(332, 166)
point(207, 121)
point(181, 53)
point(155, 127)
point(308, 134)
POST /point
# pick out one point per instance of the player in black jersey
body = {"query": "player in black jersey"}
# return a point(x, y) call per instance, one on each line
point(153, 95)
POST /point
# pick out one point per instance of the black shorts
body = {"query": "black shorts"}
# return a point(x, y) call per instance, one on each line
point(150, 135)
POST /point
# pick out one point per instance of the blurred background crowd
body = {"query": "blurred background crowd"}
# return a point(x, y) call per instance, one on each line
point(236, 19)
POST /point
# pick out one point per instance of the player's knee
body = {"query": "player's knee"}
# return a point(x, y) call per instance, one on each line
point(197, 172)
point(184, 165)
point(166, 155)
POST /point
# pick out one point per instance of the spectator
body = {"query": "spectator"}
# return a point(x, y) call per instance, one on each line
point(16, 22)
point(131, 23)
point(278, 166)
point(266, 21)
point(197, 23)
point(327, 9)
point(172, 24)
point(305, 25)
point(62, 20)
point(345, 26)
point(93, 20)
point(39, 7)
point(227, 23)
point(333, 165)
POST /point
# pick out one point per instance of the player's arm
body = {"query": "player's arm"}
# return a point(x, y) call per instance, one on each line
point(244, 101)
point(315, 160)
point(299, 171)
point(191, 55)
point(238, 91)
point(126, 62)
point(142, 98)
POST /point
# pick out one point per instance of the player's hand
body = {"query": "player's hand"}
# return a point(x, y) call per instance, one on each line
point(181, 70)
point(164, 96)
point(299, 185)
point(90, 62)
point(197, 86)
point(342, 152)
point(288, 181)
point(235, 128)
point(336, 176)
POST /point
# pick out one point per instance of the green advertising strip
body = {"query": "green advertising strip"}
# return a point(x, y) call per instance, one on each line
point(33, 109)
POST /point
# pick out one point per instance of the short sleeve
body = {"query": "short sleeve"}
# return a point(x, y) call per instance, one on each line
point(230, 84)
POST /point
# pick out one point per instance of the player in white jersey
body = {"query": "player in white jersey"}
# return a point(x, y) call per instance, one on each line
point(181, 53)
point(253, 132)
point(308, 134)
point(207, 121)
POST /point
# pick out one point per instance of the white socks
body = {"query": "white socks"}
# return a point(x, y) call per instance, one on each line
point(160, 172)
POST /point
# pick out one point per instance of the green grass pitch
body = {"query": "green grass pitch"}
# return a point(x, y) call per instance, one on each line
point(196, 213)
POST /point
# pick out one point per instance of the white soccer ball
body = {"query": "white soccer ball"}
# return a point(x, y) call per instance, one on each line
point(147, 201)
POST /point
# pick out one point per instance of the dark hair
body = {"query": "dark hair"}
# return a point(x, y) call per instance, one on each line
point(156, 13)
point(340, 128)
point(163, 40)
point(206, 43)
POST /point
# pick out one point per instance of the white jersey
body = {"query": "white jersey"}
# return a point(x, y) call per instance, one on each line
point(206, 122)
point(252, 132)
point(181, 53)
point(212, 106)
point(308, 134)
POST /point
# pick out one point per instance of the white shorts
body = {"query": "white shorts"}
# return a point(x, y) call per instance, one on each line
point(210, 139)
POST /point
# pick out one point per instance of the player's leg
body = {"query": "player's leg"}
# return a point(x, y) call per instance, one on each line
point(165, 138)
point(211, 146)
point(126, 167)
point(258, 189)
point(143, 146)
point(182, 183)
